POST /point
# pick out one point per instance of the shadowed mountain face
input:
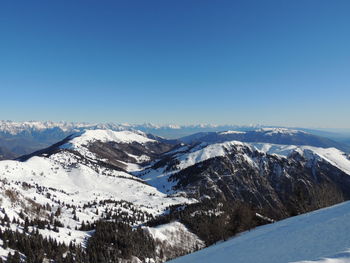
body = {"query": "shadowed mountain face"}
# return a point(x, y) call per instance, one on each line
point(282, 186)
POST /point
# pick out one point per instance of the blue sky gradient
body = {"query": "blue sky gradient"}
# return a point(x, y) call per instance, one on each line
point(235, 62)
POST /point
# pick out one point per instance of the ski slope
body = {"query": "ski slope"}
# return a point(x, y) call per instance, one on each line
point(321, 236)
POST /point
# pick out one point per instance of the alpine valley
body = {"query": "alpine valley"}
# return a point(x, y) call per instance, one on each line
point(116, 193)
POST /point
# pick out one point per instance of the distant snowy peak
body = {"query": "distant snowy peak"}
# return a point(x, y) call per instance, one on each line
point(231, 132)
point(14, 128)
point(281, 136)
point(280, 131)
point(89, 136)
point(267, 132)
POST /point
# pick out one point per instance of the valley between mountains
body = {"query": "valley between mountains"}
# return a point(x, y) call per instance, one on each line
point(123, 195)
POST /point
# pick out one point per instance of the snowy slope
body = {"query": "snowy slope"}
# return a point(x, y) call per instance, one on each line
point(186, 157)
point(274, 131)
point(321, 236)
point(89, 136)
point(75, 173)
point(64, 179)
point(80, 183)
point(22, 138)
point(174, 237)
point(81, 141)
point(331, 155)
point(266, 135)
point(70, 178)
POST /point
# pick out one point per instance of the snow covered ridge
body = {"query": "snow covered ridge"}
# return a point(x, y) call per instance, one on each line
point(285, 131)
point(14, 128)
point(81, 142)
point(89, 136)
point(232, 132)
point(81, 192)
point(84, 190)
point(331, 155)
point(320, 236)
point(268, 131)
point(185, 157)
point(174, 237)
point(204, 152)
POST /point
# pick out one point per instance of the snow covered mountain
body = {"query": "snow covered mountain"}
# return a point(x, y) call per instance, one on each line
point(14, 128)
point(163, 199)
point(267, 135)
point(19, 138)
point(72, 185)
point(124, 150)
point(321, 236)
point(26, 137)
point(273, 177)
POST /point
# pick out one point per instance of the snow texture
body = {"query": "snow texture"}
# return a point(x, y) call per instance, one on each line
point(89, 136)
point(321, 236)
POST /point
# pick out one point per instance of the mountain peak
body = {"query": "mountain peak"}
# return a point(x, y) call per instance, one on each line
point(87, 136)
point(284, 131)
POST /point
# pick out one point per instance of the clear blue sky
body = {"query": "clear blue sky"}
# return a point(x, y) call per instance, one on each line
point(237, 62)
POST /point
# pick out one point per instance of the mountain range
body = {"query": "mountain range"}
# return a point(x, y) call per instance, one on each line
point(20, 138)
point(124, 195)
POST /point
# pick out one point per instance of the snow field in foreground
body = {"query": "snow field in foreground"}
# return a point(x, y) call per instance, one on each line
point(321, 236)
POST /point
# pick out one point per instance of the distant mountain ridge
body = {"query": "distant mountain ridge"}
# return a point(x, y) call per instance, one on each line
point(282, 136)
point(12, 127)
point(20, 138)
